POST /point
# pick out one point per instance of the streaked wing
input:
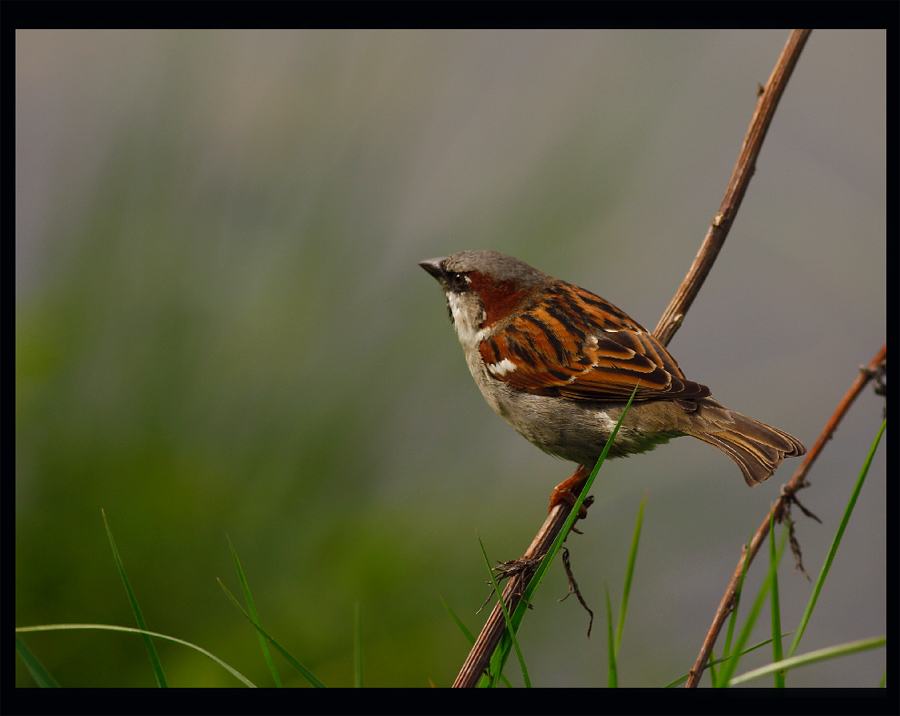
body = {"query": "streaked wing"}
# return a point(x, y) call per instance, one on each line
point(579, 346)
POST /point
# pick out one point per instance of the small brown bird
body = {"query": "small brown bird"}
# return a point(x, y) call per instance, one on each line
point(559, 363)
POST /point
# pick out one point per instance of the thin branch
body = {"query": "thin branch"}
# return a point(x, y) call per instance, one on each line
point(797, 482)
point(737, 186)
point(480, 655)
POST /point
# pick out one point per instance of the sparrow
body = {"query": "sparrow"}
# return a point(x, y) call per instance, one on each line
point(559, 363)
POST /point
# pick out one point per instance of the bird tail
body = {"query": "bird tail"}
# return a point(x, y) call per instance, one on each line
point(758, 449)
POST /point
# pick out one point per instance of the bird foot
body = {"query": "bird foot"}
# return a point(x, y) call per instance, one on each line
point(569, 490)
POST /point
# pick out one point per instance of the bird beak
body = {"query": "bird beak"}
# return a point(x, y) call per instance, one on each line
point(435, 267)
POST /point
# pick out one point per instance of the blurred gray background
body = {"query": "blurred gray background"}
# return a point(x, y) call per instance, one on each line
point(221, 329)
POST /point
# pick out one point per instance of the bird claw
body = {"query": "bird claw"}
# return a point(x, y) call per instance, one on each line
point(568, 491)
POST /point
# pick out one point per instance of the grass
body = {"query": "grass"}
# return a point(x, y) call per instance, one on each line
point(723, 670)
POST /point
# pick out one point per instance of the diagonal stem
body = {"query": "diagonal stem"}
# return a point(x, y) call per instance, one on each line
point(480, 655)
point(796, 483)
point(737, 186)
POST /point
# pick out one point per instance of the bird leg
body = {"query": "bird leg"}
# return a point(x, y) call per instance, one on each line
point(568, 490)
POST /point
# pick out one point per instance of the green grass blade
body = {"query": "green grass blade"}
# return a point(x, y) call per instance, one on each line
point(715, 662)
point(39, 673)
point(466, 633)
point(130, 630)
point(632, 558)
point(306, 673)
point(612, 678)
point(820, 582)
point(831, 652)
point(462, 627)
point(510, 629)
point(502, 652)
point(711, 667)
point(774, 601)
point(245, 587)
point(148, 642)
point(730, 665)
point(732, 620)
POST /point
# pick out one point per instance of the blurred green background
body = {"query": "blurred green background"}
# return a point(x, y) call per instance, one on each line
point(221, 329)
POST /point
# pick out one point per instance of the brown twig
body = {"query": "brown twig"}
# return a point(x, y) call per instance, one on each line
point(573, 589)
point(480, 655)
point(798, 481)
point(737, 186)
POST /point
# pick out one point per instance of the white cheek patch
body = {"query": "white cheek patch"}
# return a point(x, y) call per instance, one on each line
point(502, 368)
point(469, 334)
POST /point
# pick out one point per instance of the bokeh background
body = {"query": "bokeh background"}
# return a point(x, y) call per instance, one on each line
point(221, 329)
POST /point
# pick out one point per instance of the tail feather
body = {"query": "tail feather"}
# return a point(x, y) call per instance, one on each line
point(758, 449)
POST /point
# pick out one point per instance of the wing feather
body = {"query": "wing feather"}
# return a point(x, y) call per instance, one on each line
point(578, 346)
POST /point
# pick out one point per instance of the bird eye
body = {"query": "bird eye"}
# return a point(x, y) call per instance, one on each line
point(458, 282)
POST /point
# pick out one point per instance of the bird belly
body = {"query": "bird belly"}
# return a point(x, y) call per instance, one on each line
point(574, 430)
